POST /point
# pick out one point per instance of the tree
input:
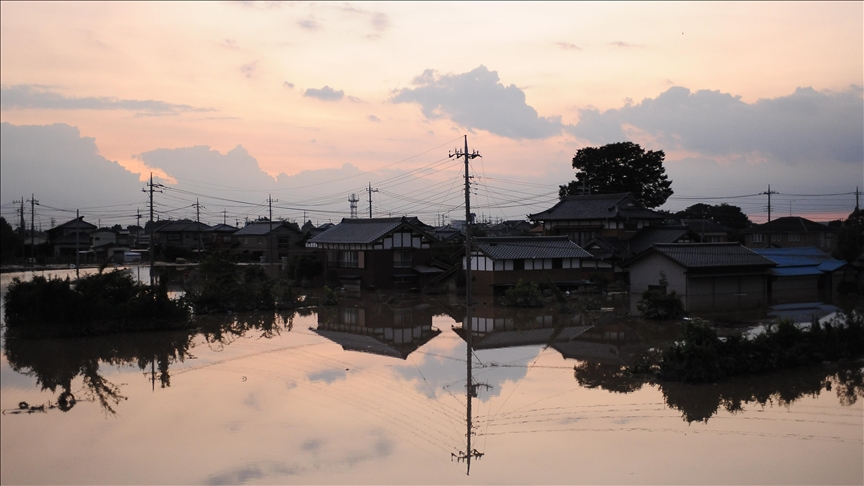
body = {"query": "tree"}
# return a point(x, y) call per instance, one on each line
point(10, 242)
point(725, 214)
point(850, 241)
point(620, 167)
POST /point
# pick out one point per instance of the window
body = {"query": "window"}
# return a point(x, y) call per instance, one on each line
point(630, 225)
point(794, 237)
point(756, 238)
point(776, 237)
point(402, 258)
point(349, 259)
point(519, 264)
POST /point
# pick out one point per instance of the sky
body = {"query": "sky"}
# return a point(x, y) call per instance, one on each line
point(232, 104)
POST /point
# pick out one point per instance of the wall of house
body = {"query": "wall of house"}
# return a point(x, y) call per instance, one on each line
point(646, 272)
point(485, 282)
point(378, 268)
point(788, 290)
point(725, 293)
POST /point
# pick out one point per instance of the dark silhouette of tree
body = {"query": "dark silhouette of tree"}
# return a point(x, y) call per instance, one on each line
point(725, 214)
point(850, 241)
point(620, 167)
point(10, 241)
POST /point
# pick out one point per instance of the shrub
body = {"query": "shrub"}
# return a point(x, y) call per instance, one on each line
point(523, 294)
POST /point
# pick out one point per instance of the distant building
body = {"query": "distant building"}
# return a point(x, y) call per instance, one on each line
point(802, 275)
point(271, 241)
point(791, 232)
point(70, 237)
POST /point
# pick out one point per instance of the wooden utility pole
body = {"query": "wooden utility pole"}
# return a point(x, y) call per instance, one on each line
point(769, 200)
point(33, 203)
point(152, 188)
point(469, 384)
point(77, 252)
point(370, 191)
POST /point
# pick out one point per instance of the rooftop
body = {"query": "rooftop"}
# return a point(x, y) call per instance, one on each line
point(522, 247)
point(707, 255)
point(595, 206)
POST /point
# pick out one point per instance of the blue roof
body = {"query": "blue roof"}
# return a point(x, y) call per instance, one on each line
point(800, 261)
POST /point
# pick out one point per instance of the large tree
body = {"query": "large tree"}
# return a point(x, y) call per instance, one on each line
point(620, 167)
point(725, 214)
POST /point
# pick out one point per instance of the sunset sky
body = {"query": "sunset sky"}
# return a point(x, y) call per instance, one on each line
point(310, 102)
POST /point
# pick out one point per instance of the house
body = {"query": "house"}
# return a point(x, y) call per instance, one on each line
point(268, 241)
point(585, 218)
point(181, 234)
point(802, 275)
point(109, 244)
point(707, 231)
point(710, 277)
point(791, 232)
point(500, 262)
point(377, 252)
point(219, 237)
point(514, 227)
point(387, 330)
point(70, 237)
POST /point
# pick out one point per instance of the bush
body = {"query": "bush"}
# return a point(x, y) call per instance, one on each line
point(97, 304)
point(523, 294)
point(658, 305)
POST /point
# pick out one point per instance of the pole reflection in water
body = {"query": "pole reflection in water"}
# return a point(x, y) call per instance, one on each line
point(470, 393)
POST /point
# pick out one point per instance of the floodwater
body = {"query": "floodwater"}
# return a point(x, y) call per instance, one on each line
point(374, 391)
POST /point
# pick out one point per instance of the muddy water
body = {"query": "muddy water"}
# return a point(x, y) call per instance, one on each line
point(374, 391)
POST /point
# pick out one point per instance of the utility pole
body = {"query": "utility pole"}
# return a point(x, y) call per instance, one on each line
point(198, 226)
point(150, 250)
point(270, 202)
point(33, 202)
point(224, 216)
point(370, 191)
point(137, 216)
point(77, 251)
point(769, 200)
point(470, 391)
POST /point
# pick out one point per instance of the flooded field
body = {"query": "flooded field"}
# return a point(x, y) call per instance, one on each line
point(377, 390)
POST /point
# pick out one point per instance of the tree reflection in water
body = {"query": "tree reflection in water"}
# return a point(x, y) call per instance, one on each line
point(220, 331)
point(698, 403)
point(57, 362)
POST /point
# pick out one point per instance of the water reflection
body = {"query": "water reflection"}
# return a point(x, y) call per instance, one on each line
point(387, 329)
point(55, 363)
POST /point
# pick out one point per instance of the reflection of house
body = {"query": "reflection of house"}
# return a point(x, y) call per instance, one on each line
point(271, 241)
point(802, 275)
point(708, 276)
point(612, 344)
point(494, 327)
point(500, 262)
point(378, 329)
point(71, 236)
point(377, 252)
point(791, 232)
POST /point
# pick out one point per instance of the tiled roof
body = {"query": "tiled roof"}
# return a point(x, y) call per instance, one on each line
point(606, 247)
point(520, 247)
point(790, 224)
point(705, 226)
point(597, 206)
point(706, 255)
point(223, 228)
point(180, 226)
point(72, 224)
point(656, 234)
point(260, 228)
point(364, 231)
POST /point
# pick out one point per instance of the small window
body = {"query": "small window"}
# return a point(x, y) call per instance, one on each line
point(776, 237)
point(519, 264)
point(756, 238)
point(794, 237)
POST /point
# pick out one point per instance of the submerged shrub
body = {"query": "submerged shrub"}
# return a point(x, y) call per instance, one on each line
point(96, 304)
point(523, 294)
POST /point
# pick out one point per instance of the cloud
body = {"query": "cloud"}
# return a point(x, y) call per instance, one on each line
point(624, 45)
point(57, 164)
point(568, 46)
point(288, 85)
point(248, 69)
point(235, 168)
point(380, 21)
point(309, 24)
point(230, 44)
point(325, 94)
point(478, 100)
point(355, 99)
point(35, 97)
point(373, 118)
point(806, 126)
